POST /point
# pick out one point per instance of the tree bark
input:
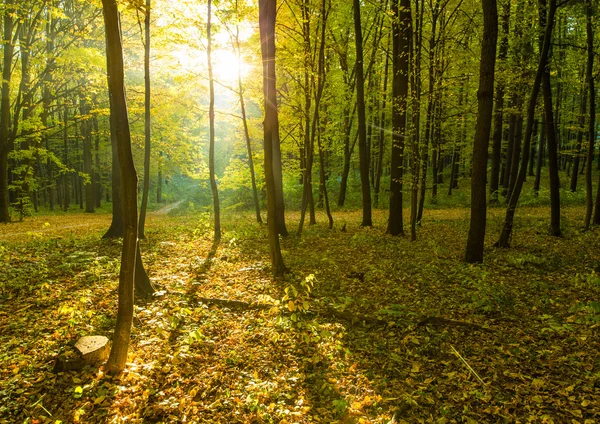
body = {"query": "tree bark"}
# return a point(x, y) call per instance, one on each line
point(499, 112)
point(401, 40)
point(147, 123)
point(542, 69)
point(5, 110)
point(362, 130)
point(267, 12)
point(114, 52)
point(485, 97)
point(211, 131)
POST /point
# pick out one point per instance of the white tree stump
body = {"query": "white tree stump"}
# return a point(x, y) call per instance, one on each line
point(89, 350)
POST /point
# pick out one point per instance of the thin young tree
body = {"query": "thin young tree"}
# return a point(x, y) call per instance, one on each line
point(238, 52)
point(363, 154)
point(116, 83)
point(211, 130)
point(5, 109)
point(401, 40)
point(267, 10)
point(147, 122)
point(592, 120)
point(485, 97)
point(504, 240)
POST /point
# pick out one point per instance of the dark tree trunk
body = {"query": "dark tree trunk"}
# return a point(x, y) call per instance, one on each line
point(362, 130)
point(120, 344)
point(116, 228)
point(211, 139)
point(86, 134)
point(542, 69)
point(592, 121)
point(552, 154)
point(147, 123)
point(485, 96)
point(540, 158)
point(5, 111)
point(381, 147)
point(580, 131)
point(245, 123)
point(267, 11)
point(499, 112)
point(401, 40)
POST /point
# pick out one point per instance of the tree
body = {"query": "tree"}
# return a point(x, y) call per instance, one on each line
point(116, 83)
point(211, 129)
point(147, 121)
point(362, 120)
point(542, 69)
point(5, 109)
point(267, 12)
point(485, 99)
point(401, 41)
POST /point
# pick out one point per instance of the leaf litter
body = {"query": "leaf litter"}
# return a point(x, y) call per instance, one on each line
point(514, 339)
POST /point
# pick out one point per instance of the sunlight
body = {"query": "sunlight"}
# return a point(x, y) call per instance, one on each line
point(226, 67)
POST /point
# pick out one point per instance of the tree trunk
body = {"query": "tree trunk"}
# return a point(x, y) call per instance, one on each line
point(485, 97)
point(592, 121)
point(542, 69)
point(580, 131)
point(401, 40)
point(362, 130)
point(147, 122)
point(381, 147)
point(86, 134)
point(540, 158)
point(499, 112)
point(245, 123)
point(211, 140)
point(114, 52)
point(116, 228)
point(5, 110)
point(267, 11)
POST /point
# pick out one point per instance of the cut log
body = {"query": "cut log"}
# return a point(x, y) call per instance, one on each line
point(93, 349)
point(89, 350)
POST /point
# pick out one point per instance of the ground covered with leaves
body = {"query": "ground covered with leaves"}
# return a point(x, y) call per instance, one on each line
point(365, 328)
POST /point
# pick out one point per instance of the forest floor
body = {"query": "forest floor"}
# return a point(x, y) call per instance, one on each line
point(393, 329)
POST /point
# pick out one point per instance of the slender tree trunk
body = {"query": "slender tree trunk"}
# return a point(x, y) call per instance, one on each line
point(381, 147)
point(147, 122)
point(267, 12)
point(430, 107)
point(592, 121)
point(401, 40)
point(416, 117)
point(499, 112)
point(86, 133)
point(245, 122)
point(540, 158)
point(211, 141)
point(485, 97)
point(97, 177)
point(120, 345)
point(504, 240)
point(5, 110)
point(66, 176)
point(580, 131)
point(116, 228)
point(159, 179)
point(362, 130)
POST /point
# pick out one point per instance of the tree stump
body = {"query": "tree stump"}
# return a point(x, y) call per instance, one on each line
point(89, 350)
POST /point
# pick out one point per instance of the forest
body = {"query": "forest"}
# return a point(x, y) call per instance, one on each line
point(299, 211)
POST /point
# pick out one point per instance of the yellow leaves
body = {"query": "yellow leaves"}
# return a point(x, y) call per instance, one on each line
point(291, 306)
point(99, 400)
